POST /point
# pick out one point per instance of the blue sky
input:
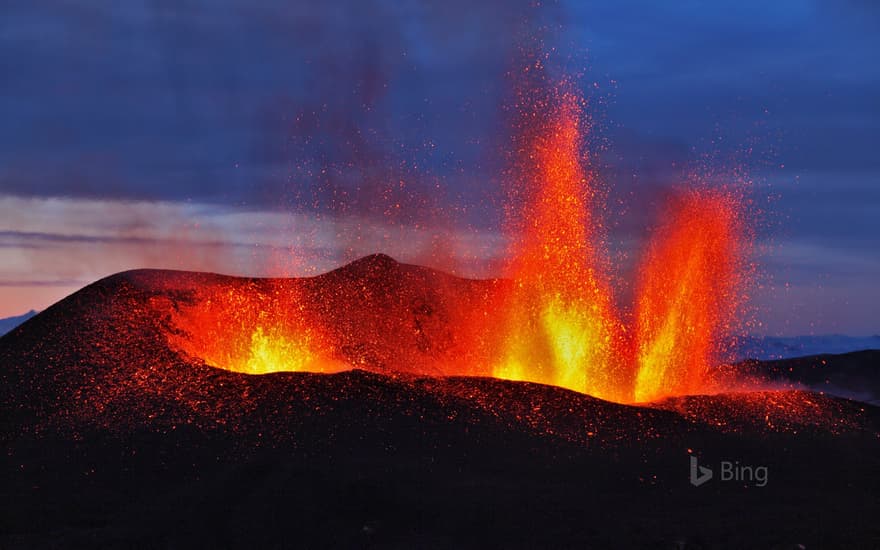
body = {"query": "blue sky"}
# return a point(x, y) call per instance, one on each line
point(223, 135)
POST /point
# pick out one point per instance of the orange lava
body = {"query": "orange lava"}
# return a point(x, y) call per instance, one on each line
point(561, 327)
point(254, 331)
point(557, 324)
point(690, 291)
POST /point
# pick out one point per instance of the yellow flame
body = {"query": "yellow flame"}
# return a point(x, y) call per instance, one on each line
point(574, 341)
point(562, 327)
point(273, 352)
point(252, 332)
point(658, 360)
point(569, 347)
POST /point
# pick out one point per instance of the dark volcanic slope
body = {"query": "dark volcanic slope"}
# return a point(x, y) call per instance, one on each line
point(110, 341)
point(112, 436)
point(854, 375)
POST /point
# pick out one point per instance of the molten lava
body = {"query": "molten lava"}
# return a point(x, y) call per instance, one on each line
point(254, 331)
point(690, 290)
point(561, 326)
point(557, 323)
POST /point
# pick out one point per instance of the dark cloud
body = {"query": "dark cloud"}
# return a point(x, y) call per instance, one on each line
point(240, 102)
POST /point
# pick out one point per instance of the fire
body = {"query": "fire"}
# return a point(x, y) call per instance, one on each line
point(557, 323)
point(562, 328)
point(272, 351)
point(254, 332)
point(690, 291)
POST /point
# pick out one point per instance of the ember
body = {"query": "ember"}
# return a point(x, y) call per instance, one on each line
point(563, 328)
point(253, 332)
point(556, 324)
point(690, 290)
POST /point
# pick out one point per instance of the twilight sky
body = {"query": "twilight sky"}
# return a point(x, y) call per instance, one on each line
point(279, 137)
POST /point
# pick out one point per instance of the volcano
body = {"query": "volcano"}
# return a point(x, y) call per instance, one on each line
point(170, 408)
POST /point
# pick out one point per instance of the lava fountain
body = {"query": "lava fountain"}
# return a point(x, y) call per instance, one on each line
point(558, 322)
point(691, 287)
point(561, 326)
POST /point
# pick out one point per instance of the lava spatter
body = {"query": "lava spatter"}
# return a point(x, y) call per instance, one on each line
point(561, 327)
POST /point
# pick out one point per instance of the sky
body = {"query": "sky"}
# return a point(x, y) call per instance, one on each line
point(285, 138)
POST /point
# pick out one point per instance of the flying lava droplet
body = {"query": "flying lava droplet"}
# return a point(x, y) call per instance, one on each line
point(558, 323)
point(562, 326)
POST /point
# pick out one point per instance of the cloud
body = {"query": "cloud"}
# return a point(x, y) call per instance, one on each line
point(233, 103)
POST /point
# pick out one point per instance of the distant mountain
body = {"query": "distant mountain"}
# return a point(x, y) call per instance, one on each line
point(10, 323)
point(769, 347)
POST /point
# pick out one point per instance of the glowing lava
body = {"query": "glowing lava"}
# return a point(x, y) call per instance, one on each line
point(561, 328)
point(557, 324)
point(690, 291)
point(254, 332)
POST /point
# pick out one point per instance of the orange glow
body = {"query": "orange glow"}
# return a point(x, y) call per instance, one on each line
point(252, 331)
point(561, 327)
point(689, 294)
point(556, 323)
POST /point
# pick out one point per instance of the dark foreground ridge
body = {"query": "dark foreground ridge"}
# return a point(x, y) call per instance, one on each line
point(113, 438)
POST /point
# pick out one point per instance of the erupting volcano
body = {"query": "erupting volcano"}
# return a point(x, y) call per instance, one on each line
point(556, 320)
point(393, 398)
point(692, 284)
